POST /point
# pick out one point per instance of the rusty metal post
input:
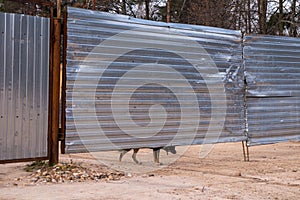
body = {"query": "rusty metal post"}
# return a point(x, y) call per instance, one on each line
point(53, 157)
point(50, 82)
point(63, 92)
point(58, 5)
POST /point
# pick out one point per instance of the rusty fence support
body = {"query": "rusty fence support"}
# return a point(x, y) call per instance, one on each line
point(53, 157)
point(50, 81)
point(63, 92)
point(58, 7)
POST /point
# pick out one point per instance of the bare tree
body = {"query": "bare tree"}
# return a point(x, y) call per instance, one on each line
point(251, 16)
point(249, 28)
point(169, 8)
point(293, 26)
point(262, 12)
point(124, 11)
point(280, 18)
point(147, 2)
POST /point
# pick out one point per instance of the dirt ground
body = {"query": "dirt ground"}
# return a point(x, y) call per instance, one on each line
point(272, 173)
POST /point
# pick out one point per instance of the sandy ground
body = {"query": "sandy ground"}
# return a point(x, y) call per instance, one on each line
point(272, 173)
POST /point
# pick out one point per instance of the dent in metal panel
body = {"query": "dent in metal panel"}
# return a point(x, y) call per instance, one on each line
point(24, 86)
point(273, 98)
point(138, 47)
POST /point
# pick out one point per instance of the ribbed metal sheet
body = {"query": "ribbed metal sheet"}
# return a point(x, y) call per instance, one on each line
point(273, 97)
point(138, 83)
point(24, 69)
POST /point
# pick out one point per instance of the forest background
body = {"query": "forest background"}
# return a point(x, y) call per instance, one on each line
point(273, 17)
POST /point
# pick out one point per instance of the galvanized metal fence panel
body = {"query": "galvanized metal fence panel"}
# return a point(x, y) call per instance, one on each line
point(136, 83)
point(24, 69)
point(273, 96)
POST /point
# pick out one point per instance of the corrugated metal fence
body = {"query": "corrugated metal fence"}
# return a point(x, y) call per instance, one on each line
point(137, 83)
point(273, 94)
point(119, 67)
point(24, 69)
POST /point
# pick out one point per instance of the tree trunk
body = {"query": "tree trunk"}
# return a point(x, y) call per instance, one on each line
point(249, 16)
point(239, 14)
point(259, 14)
point(207, 13)
point(280, 18)
point(169, 11)
point(124, 11)
point(140, 9)
point(236, 15)
point(245, 16)
point(147, 2)
point(293, 27)
point(181, 10)
point(262, 12)
point(58, 5)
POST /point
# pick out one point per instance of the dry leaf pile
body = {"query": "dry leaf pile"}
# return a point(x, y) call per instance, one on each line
point(66, 172)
